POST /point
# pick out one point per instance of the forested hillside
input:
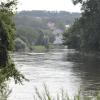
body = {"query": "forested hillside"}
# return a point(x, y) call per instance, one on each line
point(40, 27)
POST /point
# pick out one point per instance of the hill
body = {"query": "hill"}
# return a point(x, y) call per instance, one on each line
point(41, 27)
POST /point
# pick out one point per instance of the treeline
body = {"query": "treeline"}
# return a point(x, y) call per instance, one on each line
point(55, 16)
point(84, 34)
point(40, 27)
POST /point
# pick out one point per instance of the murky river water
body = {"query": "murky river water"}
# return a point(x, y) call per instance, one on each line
point(59, 68)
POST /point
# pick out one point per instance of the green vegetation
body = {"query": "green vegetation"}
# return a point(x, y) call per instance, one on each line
point(7, 28)
point(6, 31)
point(20, 45)
point(39, 27)
point(45, 95)
point(84, 34)
point(4, 92)
point(39, 48)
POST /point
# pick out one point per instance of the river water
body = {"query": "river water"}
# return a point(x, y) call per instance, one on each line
point(58, 69)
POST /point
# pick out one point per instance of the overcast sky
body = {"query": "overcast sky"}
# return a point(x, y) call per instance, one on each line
point(55, 5)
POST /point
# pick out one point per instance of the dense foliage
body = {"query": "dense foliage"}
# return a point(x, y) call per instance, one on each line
point(84, 34)
point(6, 30)
point(7, 27)
point(40, 27)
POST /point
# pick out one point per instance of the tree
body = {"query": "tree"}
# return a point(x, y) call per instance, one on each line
point(88, 26)
point(40, 40)
point(6, 30)
point(20, 45)
point(7, 27)
point(72, 36)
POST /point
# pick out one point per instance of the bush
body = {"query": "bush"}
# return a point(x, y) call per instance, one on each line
point(20, 45)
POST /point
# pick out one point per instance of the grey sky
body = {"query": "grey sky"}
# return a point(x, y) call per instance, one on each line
point(56, 5)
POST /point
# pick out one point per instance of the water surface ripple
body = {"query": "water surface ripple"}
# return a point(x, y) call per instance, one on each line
point(58, 68)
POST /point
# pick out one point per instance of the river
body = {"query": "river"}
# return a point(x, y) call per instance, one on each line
point(58, 69)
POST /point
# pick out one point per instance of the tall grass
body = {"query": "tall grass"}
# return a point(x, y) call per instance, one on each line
point(4, 91)
point(45, 95)
point(39, 49)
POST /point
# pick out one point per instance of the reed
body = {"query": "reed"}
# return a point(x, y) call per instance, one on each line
point(45, 95)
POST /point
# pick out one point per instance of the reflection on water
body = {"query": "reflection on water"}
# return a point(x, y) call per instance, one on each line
point(59, 68)
point(88, 69)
